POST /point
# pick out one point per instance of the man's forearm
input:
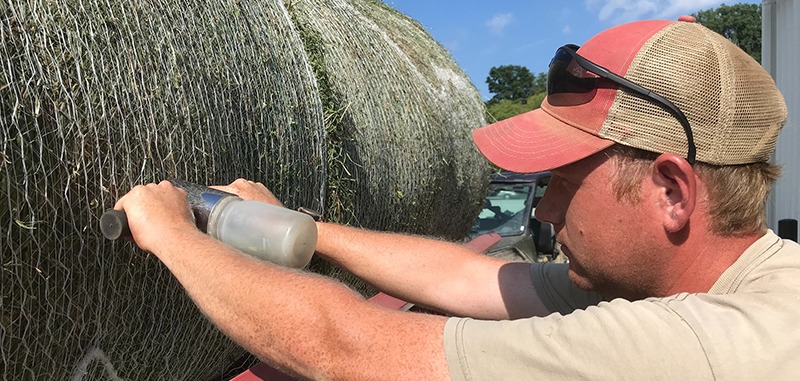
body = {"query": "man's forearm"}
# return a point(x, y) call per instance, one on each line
point(297, 320)
point(438, 274)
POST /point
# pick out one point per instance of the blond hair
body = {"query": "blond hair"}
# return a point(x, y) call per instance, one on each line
point(737, 194)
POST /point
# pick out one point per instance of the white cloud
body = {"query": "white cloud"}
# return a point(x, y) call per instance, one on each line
point(566, 29)
point(620, 11)
point(499, 22)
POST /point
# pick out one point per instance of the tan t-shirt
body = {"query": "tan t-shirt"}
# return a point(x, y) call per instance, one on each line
point(747, 327)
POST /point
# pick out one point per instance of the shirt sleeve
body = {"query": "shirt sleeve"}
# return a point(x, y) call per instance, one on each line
point(612, 341)
point(557, 292)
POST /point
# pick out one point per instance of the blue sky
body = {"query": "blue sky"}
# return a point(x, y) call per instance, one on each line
point(485, 33)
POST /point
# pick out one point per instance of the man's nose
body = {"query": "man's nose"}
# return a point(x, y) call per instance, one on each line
point(548, 209)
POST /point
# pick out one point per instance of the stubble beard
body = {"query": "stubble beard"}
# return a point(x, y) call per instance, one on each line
point(631, 289)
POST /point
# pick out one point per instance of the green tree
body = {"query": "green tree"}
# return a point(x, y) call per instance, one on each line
point(510, 82)
point(739, 23)
point(496, 111)
point(540, 84)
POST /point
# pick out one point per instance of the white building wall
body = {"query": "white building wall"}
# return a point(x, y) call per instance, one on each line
point(781, 57)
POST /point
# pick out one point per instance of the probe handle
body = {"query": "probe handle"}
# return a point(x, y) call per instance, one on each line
point(114, 224)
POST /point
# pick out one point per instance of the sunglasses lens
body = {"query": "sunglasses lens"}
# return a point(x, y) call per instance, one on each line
point(568, 84)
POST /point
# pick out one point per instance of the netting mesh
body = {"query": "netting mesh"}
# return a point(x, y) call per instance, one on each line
point(416, 158)
point(99, 96)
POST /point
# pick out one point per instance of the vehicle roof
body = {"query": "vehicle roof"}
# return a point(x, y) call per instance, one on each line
point(513, 177)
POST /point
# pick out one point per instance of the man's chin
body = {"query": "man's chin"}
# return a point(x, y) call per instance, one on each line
point(579, 279)
point(604, 288)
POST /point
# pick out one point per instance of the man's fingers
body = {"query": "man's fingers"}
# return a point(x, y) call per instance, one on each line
point(236, 187)
point(224, 188)
point(249, 190)
point(153, 210)
point(119, 205)
point(151, 187)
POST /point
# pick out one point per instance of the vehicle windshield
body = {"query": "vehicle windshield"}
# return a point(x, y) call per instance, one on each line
point(504, 210)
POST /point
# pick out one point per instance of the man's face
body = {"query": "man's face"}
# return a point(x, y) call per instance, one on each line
point(609, 242)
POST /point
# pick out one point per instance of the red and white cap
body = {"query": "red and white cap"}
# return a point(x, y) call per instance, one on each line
point(732, 104)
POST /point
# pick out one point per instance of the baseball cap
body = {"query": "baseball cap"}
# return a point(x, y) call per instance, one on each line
point(733, 110)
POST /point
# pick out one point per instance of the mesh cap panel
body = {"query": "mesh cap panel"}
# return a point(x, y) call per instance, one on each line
point(732, 104)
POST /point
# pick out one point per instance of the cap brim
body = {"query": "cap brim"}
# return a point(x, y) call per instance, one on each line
point(535, 141)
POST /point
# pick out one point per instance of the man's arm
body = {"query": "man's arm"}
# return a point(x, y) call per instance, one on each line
point(441, 275)
point(314, 327)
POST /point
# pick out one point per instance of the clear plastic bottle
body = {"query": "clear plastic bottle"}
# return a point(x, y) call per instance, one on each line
point(265, 231)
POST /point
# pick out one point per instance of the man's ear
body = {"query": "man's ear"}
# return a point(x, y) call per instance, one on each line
point(676, 183)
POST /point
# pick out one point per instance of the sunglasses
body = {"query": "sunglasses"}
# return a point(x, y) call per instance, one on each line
point(574, 80)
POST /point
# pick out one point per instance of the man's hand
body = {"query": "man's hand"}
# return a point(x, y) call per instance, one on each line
point(249, 190)
point(154, 212)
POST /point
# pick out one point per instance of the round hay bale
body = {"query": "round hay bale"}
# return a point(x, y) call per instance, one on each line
point(98, 96)
point(402, 110)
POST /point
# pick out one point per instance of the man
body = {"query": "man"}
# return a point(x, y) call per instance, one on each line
point(658, 135)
